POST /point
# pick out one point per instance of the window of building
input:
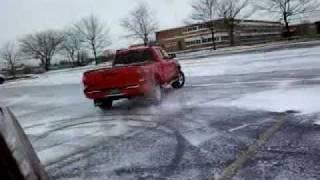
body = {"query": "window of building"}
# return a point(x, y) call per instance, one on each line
point(204, 40)
point(193, 42)
point(217, 39)
point(202, 26)
point(208, 40)
point(171, 44)
point(192, 28)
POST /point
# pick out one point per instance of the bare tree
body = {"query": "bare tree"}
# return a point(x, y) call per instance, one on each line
point(230, 10)
point(288, 9)
point(42, 46)
point(140, 23)
point(10, 54)
point(205, 11)
point(73, 45)
point(94, 34)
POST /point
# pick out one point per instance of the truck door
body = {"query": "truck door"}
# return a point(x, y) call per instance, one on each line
point(168, 65)
point(163, 66)
point(171, 65)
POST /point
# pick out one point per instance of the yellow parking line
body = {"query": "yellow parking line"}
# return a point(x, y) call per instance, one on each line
point(230, 171)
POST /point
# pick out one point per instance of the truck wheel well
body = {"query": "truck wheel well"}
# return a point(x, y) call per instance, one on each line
point(179, 67)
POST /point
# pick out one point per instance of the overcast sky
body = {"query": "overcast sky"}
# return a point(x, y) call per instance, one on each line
point(19, 17)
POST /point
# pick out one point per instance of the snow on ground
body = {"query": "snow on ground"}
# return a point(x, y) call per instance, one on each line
point(279, 100)
point(50, 79)
point(57, 129)
point(244, 48)
point(87, 134)
point(275, 100)
point(58, 77)
point(304, 100)
point(305, 58)
point(252, 63)
point(285, 97)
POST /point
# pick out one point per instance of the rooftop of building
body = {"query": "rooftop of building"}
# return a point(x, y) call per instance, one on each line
point(220, 20)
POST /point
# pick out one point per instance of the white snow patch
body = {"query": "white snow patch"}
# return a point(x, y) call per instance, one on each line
point(56, 153)
point(87, 135)
point(37, 100)
point(197, 138)
point(38, 130)
point(293, 59)
point(317, 121)
point(239, 127)
point(282, 84)
point(54, 78)
point(305, 100)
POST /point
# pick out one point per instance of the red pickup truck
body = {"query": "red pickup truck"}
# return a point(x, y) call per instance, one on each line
point(139, 71)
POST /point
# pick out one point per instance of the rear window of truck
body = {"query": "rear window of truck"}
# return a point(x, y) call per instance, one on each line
point(133, 57)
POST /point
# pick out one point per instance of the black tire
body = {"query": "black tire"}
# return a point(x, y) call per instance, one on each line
point(1, 80)
point(179, 83)
point(103, 103)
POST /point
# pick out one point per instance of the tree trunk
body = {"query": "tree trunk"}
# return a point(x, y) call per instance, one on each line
point(285, 19)
point(231, 32)
point(214, 46)
point(95, 57)
point(72, 58)
point(95, 54)
point(13, 70)
point(145, 40)
point(43, 63)
point(78, 59)
point(47, 64)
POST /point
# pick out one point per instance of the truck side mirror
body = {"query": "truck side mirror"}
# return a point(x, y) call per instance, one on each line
point(172, 56)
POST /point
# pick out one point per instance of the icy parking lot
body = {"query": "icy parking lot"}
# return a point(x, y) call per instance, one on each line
point(265, 105)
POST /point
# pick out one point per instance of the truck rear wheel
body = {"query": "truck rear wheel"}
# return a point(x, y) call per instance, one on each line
point(103, 103)
point(179, 83)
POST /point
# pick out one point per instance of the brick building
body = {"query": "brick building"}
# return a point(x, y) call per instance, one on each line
point(198, 35)
point(305, 29)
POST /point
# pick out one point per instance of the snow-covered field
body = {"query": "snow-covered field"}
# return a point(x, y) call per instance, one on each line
point(245, 49)
point(62, 123)
point(291, 59)
point(282, 98)
point(285, 97)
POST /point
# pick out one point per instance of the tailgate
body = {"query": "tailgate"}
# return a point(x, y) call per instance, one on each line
point(112, 78)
